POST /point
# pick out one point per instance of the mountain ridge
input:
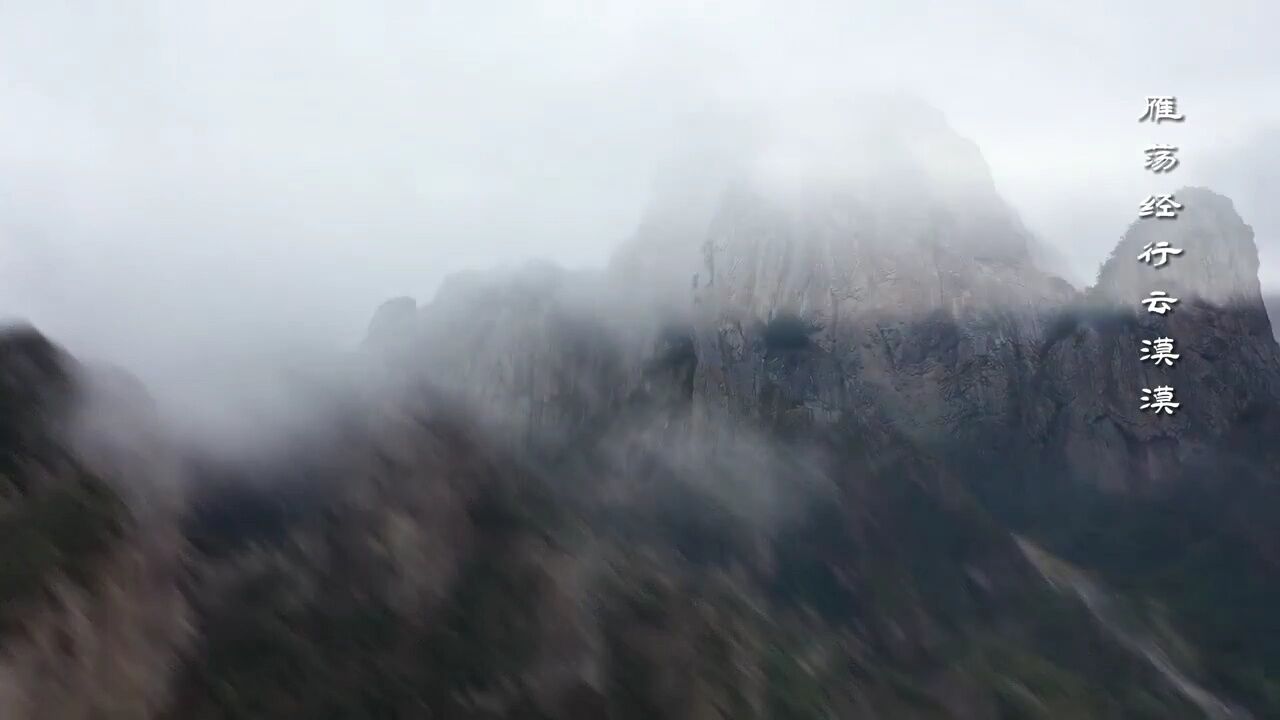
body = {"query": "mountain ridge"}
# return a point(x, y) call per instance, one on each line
point(779, 465)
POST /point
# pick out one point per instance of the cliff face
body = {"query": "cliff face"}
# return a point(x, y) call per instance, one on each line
point(1226, 372)
point(902, 315)
point(1219, 264)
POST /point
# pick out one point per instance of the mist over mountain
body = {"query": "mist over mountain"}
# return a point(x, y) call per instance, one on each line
point(527, 360)
point(825, 438)
point(206, 195)
point(1250, 179)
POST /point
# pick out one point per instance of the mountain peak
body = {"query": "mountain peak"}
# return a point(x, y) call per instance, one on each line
point(883, 177)
point(1218, 263)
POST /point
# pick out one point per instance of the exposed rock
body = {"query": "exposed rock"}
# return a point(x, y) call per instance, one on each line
point(1219, 264)
point(1228, 359)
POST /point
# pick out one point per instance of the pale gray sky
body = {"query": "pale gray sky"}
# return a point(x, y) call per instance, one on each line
point(188, 186)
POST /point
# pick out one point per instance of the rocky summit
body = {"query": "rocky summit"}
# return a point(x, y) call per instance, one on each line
point(825, 443)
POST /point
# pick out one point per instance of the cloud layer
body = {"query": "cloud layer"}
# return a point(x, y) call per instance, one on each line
point(199, 189)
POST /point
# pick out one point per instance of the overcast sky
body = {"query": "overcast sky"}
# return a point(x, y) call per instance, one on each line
point(186, 186)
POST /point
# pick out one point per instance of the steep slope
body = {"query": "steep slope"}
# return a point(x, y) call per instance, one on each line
point(1227, 373)
point(1164, 653)
point(1172, 509)
point(636, 575)
point(89, 610)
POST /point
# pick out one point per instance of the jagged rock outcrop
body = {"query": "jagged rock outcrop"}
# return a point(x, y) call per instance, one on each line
point(1219, 263)
point(1228, 365)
